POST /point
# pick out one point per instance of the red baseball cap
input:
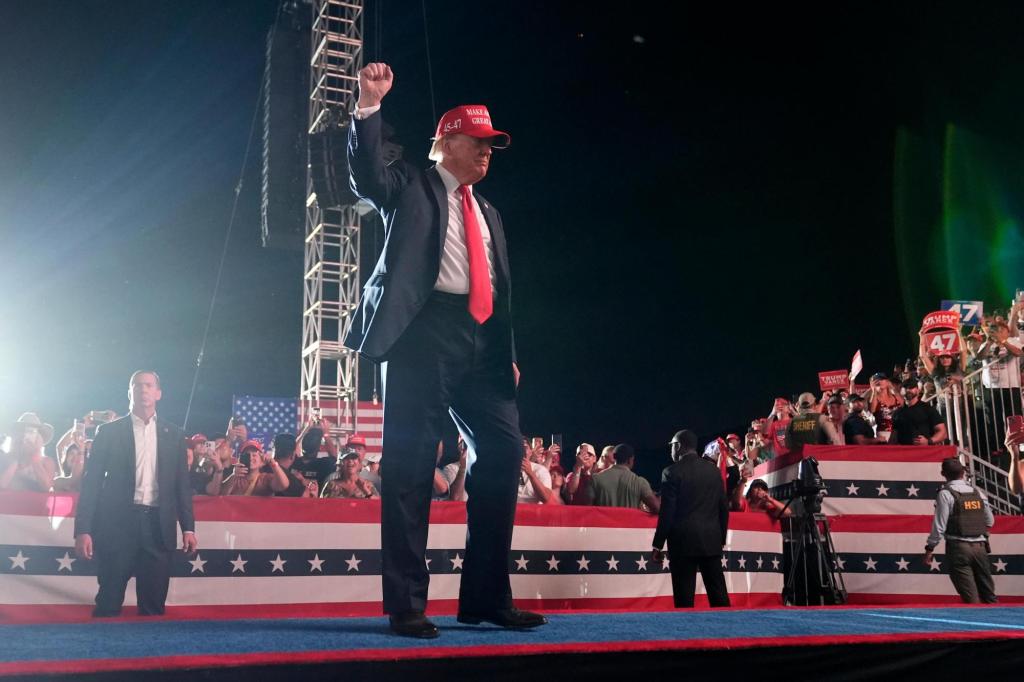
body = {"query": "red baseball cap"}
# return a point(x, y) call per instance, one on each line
point(250, 444)
point(473, 120)
point(197, 439)
point(356, 439)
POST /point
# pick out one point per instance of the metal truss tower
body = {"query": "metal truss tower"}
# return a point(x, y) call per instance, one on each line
point(331, 265)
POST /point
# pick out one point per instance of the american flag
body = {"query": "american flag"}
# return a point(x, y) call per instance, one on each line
point(266, 417)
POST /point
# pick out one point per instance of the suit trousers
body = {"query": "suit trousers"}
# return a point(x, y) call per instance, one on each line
point(971, 572)
point(684, 579)
point(134, 549)
point(447, 366)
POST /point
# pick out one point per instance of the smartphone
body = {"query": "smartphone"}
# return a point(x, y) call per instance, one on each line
point(1014, 423)
point(556, 439)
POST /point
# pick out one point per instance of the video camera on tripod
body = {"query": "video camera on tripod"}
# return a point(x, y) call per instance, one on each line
point(808, 487)
point(812, 574)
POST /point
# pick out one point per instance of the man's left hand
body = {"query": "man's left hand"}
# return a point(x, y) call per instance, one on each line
point(658, 555)
point(189, 543)
point(921, 440)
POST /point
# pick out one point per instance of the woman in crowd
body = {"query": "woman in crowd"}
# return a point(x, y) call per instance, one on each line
point(28, 467)
point(946, 368)
point(558, 482)
point(605, 461)
point(255, 474)
point(883, 401)
point(346, 483)
point(72, 466)
point(758, 499)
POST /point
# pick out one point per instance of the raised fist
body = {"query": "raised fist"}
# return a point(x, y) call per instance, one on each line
point(375, 80)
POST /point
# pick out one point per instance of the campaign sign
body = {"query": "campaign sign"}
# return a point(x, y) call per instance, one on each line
point(938, 343)
point(942, 319)
point(834, 380)
point(971, 312)
point(861, 389)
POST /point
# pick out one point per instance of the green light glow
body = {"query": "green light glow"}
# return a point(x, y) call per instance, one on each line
point(960, 237)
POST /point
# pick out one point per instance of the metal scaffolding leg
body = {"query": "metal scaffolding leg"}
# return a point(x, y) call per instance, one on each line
point(331, 267)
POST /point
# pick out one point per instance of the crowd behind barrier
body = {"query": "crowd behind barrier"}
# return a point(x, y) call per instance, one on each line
point(966, 397)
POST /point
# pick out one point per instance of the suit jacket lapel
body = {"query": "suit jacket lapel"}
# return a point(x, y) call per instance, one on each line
point(441, 198)
point(129, 439)
point(497, 238)
point(166, 458)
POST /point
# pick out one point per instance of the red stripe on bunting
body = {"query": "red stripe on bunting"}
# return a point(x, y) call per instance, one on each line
point(859, 600)
point(435, 652)
point(899, 523)
point(880, 453)
point(301, 510)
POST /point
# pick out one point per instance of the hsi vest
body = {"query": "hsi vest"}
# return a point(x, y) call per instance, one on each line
point(967, 518)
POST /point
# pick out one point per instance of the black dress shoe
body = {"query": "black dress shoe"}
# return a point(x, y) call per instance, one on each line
point(512, 619)
point(412, 624)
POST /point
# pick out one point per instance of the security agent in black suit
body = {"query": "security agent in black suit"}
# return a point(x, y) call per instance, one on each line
point(694, 518)
point(438, 360)
point(134, 491)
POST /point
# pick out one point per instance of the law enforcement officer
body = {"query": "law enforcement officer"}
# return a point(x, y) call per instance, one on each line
point(963, 517)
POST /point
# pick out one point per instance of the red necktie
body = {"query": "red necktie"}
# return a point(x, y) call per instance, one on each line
point(481, 304)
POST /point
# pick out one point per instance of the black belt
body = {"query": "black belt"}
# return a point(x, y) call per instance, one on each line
point(460, 300)
point(145, 508)
point(445, 298)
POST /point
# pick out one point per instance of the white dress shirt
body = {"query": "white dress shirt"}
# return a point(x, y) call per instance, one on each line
point(147, 490)
point(453, 275)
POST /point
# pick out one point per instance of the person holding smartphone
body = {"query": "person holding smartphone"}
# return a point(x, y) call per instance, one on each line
point(1014, 441)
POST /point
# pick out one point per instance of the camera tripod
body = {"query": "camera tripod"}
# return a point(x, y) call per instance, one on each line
point(812, 574)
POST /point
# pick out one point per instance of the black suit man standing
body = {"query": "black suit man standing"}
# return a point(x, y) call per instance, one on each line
point(436, 314)
point(694, 518)
point(134, 492)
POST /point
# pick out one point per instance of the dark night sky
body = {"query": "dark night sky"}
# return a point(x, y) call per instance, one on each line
point(699, 205)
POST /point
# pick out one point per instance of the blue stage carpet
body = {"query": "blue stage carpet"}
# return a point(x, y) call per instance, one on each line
point(139, 644)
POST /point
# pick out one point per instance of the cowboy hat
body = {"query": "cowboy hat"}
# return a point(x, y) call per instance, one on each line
point(32, 419)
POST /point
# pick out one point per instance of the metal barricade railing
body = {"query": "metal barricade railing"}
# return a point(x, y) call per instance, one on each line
point(975, 409)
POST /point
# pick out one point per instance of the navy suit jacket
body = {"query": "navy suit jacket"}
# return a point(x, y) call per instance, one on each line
point(694, 515)
point(108, 486)
point(414, 207)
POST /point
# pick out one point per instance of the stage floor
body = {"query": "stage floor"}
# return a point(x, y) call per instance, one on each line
point(138, 644)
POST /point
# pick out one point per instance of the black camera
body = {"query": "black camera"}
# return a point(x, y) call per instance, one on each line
point(808, 486)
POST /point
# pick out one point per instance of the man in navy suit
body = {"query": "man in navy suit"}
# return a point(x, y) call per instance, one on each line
point(134, 492)
point(436, 314)
point(694, 518)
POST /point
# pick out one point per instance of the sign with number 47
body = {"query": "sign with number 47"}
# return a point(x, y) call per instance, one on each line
point(942, 342)
point(971, 312)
